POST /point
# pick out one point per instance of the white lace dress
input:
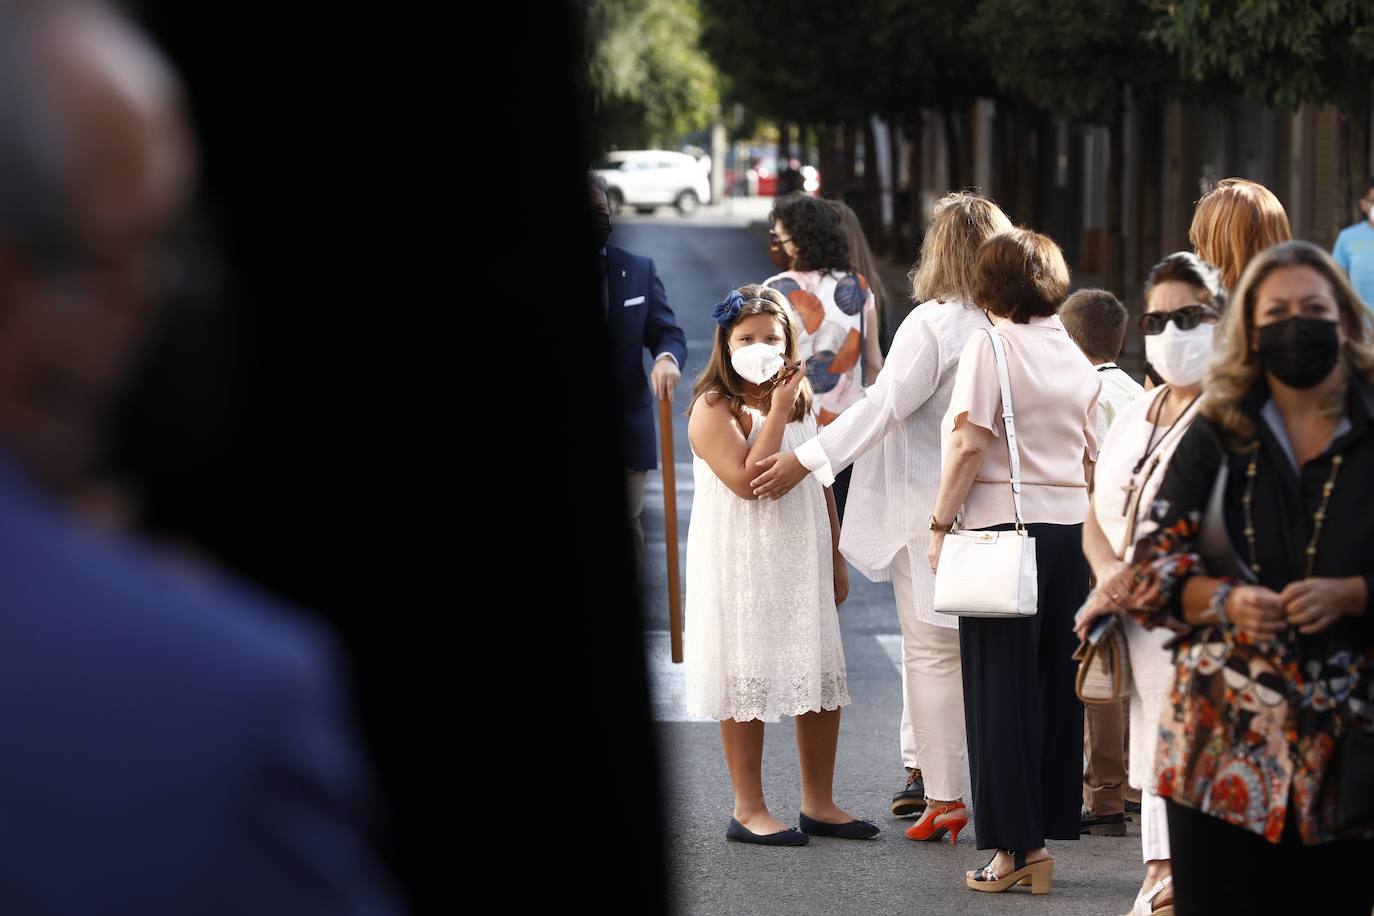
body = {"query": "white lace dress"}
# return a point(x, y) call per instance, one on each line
point(761, 634)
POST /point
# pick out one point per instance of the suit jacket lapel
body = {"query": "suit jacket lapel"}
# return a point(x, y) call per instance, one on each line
point(617, 282)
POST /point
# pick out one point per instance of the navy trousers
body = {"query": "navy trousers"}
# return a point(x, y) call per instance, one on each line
point(1024, 720)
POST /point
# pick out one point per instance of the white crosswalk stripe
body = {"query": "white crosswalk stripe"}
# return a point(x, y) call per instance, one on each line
point(892, 645)
point(667, 681)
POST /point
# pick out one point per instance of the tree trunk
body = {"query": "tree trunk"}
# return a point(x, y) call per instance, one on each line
point(850, 172)
point(1344, 203)
point(830, 163)
point(1046, 166)
point(872, 209)
point(784, 145)
point(1020, 200)
point(1150, 179)
point(954, 148)
point(1008, 123)
point(1353, 137)
point(1112, 278)
point(916, 218)
point(895, 243)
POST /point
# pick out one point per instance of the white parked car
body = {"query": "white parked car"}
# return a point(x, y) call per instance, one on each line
point(648, 179)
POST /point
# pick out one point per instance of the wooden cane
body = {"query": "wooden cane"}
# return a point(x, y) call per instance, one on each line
point(665, 439)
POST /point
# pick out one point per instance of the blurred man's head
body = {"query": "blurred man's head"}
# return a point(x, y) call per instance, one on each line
point(596, 186)
point(1367, 200)
point(97, 166)
point(601, 209)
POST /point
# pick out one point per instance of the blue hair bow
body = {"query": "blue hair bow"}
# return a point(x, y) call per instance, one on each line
point(726, 312)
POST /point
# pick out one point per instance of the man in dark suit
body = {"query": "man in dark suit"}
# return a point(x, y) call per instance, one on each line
point(637, 317)
point(176, 743)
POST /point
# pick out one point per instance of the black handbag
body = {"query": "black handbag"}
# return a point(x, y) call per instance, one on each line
point(1214, 545)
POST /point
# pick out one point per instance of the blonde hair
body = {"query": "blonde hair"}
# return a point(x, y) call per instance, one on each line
point(720, 378)
point(860, 255)
point(962, 221)
point(1235, 368)
point(1235, 221)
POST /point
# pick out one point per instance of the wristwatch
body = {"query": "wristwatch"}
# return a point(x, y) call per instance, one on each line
point(936, 526)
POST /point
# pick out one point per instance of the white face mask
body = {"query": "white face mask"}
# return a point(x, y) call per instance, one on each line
point(1180, 357)
point(757, 362)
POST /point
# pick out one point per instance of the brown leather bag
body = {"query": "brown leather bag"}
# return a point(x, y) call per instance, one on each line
point(1104, 665)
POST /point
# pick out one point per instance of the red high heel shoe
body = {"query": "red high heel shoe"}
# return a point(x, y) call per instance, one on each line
point(936, 822)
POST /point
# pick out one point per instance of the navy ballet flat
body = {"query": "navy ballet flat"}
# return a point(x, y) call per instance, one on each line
point(854, 830)
point(742, 834)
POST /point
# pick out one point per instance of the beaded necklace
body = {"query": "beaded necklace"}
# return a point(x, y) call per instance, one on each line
point(1318, 518)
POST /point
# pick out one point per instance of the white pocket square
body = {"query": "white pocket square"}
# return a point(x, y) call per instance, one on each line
point(637, 300)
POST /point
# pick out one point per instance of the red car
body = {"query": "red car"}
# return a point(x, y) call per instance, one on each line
point(761, 178)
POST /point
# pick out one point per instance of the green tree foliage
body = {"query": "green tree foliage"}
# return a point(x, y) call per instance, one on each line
point(1072, 57)
point(650, 79)
point(1285, 52)
point(832, 62)
point(924, 54)
point(788, 60)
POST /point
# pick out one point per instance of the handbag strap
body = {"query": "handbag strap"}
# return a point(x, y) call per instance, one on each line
point(1009, 420)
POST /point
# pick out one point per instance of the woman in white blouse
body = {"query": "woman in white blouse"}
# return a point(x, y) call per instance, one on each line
point(1183, 300)
point(892, 438)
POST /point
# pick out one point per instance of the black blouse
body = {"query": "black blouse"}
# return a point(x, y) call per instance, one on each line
point(1253, 728)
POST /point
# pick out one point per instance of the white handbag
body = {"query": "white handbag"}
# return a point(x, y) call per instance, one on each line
point(991, 573)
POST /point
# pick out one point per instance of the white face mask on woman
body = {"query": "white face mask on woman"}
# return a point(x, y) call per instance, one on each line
point(1180, 357)
point(758, 362)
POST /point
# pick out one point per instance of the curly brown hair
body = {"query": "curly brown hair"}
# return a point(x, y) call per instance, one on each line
point(815, 229)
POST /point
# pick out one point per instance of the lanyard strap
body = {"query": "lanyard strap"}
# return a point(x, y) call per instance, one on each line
point(1009, 420)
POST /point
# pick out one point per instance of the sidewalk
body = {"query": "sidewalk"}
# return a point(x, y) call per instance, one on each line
point(740, 212)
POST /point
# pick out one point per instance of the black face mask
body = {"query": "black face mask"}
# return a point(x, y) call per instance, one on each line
point(1300, 352)
point(601, 223)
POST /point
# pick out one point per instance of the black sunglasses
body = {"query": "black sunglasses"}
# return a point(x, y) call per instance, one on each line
point(1185, 317)
point(776, 239)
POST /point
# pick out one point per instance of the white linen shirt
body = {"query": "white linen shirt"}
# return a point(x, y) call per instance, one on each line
point(1118, 390)
point(892, 437)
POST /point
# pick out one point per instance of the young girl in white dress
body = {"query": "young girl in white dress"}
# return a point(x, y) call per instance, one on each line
point(762, 637)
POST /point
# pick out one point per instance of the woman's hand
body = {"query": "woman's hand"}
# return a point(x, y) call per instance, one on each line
point(1256, 610)
point(1116, 587)
point(841, 579)
point(937, 540)
point(1312, 605)
point(785, 394)
point(1100, 602)
point(1116, 580)
point(784, 471)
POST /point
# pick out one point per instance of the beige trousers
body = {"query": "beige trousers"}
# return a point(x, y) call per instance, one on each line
point(932, 696)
